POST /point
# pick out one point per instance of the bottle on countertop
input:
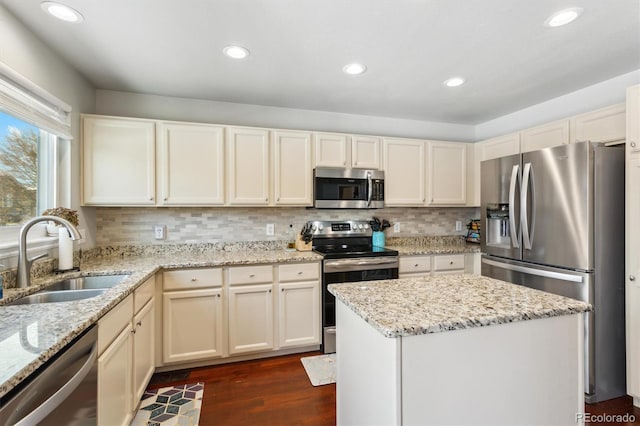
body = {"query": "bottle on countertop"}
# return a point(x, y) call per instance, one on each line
point(291, 238)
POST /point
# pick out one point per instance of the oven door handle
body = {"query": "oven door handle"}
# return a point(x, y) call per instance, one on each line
point(360, 264)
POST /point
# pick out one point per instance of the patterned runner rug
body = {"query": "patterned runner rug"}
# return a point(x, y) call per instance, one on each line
point(171, 406)
point(321, 369)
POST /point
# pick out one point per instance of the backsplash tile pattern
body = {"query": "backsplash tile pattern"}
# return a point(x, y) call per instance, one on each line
point(126, 225)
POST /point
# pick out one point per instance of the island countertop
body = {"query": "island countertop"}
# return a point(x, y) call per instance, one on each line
point(414, 306)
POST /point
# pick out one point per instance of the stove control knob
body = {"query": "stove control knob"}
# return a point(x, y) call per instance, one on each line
point(360, 226)
point(313, 228)
point(366, 226)
point(320, 227)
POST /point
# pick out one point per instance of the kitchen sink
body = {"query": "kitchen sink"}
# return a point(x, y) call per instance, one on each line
point(57, 296)
point(86, 283)
point(72, 289)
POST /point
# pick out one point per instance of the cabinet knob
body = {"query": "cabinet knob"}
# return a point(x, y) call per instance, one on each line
point(299, 272)
point(218, 295)
point(139, 323)
point(133, 332)
point(269, 290)
point(632, 278)
point(194, 279)
point(150, 198)
point(165, 198)
point(633, 144)
point(282, 290)
point(266, 199)
point(415, 266)
point(252, 275)
point(451, 263)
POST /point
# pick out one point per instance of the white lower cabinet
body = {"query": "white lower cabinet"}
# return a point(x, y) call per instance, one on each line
point(414, 266)
point(192, 322)
point(448, 264)
point(125, 356)
point(250, 318)
point(298, 305)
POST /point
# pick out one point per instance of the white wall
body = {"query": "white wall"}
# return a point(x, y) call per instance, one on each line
point(168, 108)
point(608, 92)
point(22, 51)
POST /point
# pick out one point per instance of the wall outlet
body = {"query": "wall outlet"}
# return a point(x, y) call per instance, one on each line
point(396, 227)
point(458, 225)
point(270, 229)
point(160, 232)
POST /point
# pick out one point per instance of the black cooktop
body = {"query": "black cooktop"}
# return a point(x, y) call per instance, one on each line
point(346, 250)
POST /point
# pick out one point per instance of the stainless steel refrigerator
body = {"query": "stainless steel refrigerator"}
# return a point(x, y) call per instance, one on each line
point(553, 220)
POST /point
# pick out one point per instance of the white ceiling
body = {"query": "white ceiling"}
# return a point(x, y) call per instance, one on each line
point(298, 49)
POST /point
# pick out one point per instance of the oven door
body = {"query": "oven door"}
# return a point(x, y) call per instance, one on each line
point(349, 270)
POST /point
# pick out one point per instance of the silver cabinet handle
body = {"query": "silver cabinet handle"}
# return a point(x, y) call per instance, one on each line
point(633, 144)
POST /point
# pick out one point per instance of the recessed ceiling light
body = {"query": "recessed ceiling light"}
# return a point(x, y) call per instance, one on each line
point(62, 12)
point(454, 81)
point(236, 52)
point(563, 17)
point(354, 69)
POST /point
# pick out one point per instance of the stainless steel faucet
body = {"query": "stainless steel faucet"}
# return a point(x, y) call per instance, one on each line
point(23, 278)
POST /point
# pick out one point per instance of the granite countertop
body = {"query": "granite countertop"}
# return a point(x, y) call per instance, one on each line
point(31, 334)
point(414, 306)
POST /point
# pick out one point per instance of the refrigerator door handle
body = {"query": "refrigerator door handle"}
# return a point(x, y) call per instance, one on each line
point(527, 183)
point(534, 271)
point(512, 199)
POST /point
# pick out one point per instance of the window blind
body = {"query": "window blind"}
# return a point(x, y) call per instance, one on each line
point(25, 100)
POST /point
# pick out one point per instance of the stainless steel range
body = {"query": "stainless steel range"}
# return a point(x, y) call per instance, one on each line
point(349, 256)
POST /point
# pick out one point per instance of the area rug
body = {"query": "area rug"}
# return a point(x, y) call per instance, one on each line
point(171, 406)
point(321, 369)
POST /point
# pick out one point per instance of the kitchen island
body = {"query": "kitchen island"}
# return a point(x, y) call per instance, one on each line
point(458, 349)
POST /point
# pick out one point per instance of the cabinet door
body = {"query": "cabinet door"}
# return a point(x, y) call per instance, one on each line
point(548, 135)
point(143, 350)
point(447, 166)
point(632, 276)
point(192, 325)
point(250, 318)
point(292, 168)
point(606, 124)
point(247, 166)
point(191, 164)
point(500, 146)
point(299, 313)
point(115, 387)
point(404, 172)
point(365, 152)
point(412, 266)
point(448, 264)
point(633, 120)
point(118, 161)
point(331, 150)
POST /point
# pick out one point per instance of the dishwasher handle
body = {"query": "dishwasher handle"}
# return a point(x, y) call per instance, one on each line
point(41, 412)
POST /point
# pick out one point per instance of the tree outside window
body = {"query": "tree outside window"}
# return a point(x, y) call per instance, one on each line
point(18, 170)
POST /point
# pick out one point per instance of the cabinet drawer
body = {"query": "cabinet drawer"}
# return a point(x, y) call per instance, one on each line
point(251, 274)
point(411, 264)
point(110, 325)
point(448, 262)
point(299, 272)
point(192, 279)
point(143, 294)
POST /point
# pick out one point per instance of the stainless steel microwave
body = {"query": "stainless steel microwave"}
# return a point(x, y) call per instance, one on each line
point(338, 188)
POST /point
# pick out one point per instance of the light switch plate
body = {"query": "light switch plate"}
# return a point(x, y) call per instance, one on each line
point(458, 225)
point(396, 227)
point(270, 228)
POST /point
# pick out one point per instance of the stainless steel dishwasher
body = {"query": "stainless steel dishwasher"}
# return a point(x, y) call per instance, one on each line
point(62, 392)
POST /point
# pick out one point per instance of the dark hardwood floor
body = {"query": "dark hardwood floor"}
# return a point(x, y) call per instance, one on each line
point(276, 391)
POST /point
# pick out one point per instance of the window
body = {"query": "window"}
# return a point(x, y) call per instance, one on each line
point(34, 125)
point(23, 165)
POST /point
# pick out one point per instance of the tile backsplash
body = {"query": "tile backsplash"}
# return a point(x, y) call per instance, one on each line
point(126, 225)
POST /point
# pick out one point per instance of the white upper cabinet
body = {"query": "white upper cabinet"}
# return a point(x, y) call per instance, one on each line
point(247, 166)
point(118, 161)
point(404, 171)
point(499, 147)
point(447, 168)
point(191, 164)
point(331, 150)
point(606, 124)
point(633, 121)
point(545, 136)
point(365, 152)
point(292, 168)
